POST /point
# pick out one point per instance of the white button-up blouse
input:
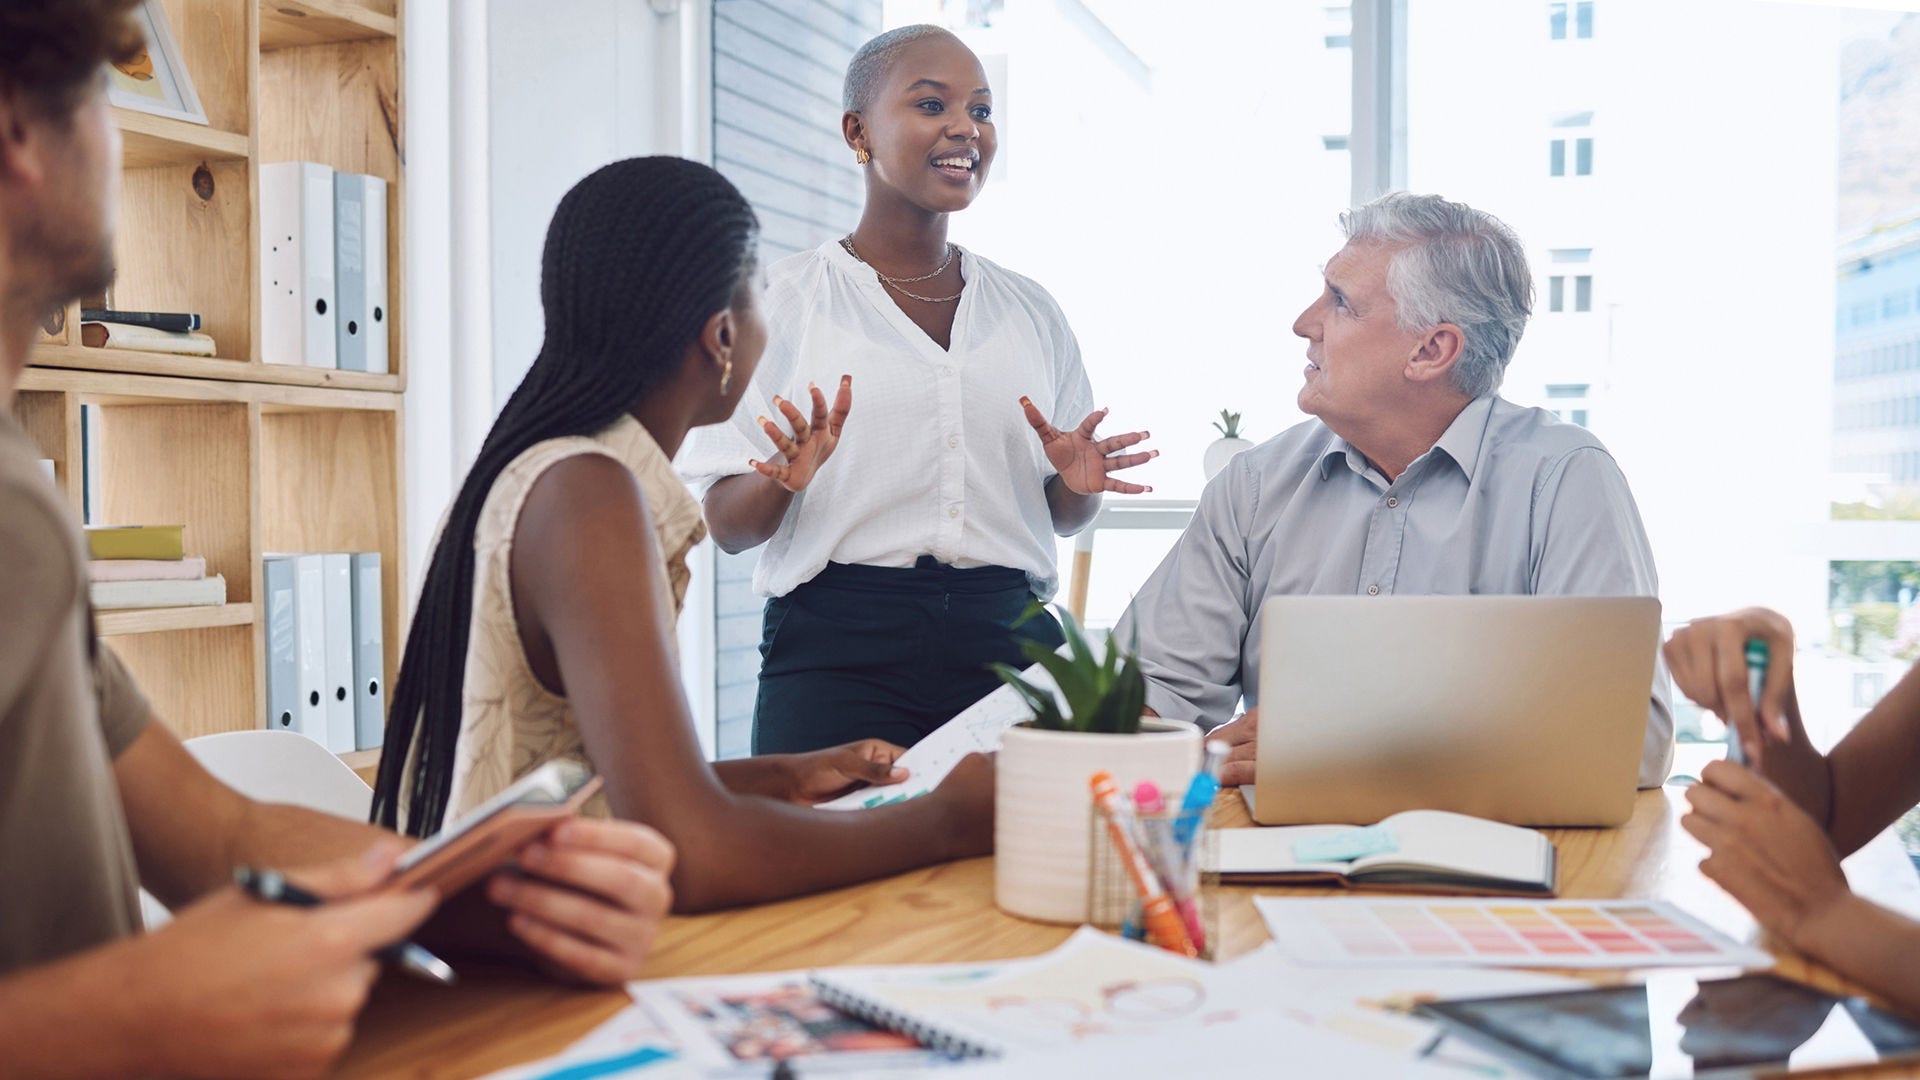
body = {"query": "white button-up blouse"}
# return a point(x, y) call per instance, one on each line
point(936, 457)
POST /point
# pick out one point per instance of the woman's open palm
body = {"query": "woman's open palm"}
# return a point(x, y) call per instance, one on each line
point(811, 444)
point(1086, 463)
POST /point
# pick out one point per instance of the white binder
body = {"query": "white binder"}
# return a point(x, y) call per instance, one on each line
point(369, 655)
point(337, 582)
point(297, 302)
point(283, 648)
point(360, 271)
point(310, 645)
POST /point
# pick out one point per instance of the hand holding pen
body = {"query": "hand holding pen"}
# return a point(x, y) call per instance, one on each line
point(273, 887)
point(276, 988)
point(1750, 689)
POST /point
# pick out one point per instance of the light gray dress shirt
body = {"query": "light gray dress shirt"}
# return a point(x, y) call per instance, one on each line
point(1510, 501)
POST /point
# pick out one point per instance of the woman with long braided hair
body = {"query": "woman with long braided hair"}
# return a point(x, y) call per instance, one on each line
point(545, 627)
point(895, 571)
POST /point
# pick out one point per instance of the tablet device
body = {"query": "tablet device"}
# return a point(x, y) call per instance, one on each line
point(485, 839)
point(1676, 1026)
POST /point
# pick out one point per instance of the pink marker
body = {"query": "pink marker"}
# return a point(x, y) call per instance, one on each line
point(1166, 855)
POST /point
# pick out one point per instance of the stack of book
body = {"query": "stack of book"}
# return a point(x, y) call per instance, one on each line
point(145, 566)
point(147, 331)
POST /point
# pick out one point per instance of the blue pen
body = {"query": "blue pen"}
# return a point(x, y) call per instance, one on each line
point(1756, 680)
point(1200, 793)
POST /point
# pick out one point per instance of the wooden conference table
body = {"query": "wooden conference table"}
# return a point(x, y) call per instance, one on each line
point(946, 913)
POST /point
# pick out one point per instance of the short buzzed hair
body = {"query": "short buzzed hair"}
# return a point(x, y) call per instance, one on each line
point(871, 61)
point(51, 51)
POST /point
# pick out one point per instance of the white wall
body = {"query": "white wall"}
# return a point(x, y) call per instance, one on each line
point(430, 465)
point(575, 84)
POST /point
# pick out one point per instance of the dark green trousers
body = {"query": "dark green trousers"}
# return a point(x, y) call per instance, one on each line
point(886, 652)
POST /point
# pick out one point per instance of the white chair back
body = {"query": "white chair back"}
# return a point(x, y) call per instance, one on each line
point(276, 767)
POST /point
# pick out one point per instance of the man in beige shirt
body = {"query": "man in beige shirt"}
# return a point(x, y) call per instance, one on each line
point(97, 798)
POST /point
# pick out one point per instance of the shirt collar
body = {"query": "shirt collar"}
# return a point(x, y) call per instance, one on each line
point(1461, 442)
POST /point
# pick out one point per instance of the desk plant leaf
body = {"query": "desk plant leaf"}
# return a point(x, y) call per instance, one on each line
point(1104, 694)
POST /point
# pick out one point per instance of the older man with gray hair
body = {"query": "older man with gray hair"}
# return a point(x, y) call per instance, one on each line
point(1414, 478)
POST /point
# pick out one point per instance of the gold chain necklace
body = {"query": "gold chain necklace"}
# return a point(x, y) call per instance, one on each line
point(896, 283)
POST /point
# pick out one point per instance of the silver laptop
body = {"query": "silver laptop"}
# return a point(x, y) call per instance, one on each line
point(1525, 709)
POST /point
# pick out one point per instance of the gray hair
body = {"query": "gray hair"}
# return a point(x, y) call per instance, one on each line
point(871, 61)
point(1458, 265)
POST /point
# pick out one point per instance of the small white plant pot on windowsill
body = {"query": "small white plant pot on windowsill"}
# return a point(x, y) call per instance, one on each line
point(1221, 451)
point(1043, 806)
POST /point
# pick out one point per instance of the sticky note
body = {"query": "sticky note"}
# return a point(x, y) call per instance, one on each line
point(1346, 845)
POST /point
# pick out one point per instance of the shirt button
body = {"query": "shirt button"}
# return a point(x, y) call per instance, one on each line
point(946, 370)
point(953, 511)
point(1392, 501)
point(1373, 590)
point(953, 440)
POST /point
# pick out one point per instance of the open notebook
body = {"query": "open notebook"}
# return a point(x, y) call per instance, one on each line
point(1426, 850)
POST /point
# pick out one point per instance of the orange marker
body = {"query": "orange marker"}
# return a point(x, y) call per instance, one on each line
point(1164, 926)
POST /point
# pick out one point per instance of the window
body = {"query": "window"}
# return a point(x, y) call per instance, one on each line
point(1569, 401)
point(1339, 31)
point(1582, 156)
point(1582, 19)
point(1333, 142)
point(1581, 286)
point(1561, 256)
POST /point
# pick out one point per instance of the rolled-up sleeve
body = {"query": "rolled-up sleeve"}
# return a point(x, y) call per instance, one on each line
point(1192, 614)
point(1589, 541)
point(124, 709)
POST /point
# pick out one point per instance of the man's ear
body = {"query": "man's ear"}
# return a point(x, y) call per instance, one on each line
point(19, 144)
point(1439, 351)
point(854, 130)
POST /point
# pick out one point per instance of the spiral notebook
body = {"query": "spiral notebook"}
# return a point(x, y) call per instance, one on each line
point(1093, 987)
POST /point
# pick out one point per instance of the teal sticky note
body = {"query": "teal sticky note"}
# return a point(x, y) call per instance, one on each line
point(1346, 845)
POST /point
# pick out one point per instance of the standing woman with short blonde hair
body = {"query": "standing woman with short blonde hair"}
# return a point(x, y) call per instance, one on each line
point(896, 569)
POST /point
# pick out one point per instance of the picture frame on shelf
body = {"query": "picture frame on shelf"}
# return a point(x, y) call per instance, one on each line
point(155, 81)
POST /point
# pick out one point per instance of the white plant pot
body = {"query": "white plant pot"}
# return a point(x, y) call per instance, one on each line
point(1042, 807)
point(1221, 451)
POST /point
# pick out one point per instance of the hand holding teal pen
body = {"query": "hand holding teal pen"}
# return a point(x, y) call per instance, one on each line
point(1756, 656)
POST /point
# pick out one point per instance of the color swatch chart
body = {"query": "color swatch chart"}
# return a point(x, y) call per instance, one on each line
point(1357, 932)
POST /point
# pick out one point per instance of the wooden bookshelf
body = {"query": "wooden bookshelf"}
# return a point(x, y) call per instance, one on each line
point(251, 457)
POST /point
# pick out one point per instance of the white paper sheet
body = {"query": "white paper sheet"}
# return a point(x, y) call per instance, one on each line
point(976, 730)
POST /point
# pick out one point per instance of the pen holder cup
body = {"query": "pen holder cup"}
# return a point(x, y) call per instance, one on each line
point(1114, 898)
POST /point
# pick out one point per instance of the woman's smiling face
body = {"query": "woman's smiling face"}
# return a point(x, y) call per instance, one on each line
point(929, 126)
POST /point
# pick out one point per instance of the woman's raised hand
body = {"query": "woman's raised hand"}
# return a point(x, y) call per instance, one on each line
point(1086, 463)
point(811, 443)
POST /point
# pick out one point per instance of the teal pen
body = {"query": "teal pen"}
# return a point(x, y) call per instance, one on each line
point(1200, 793)
point(1756, 680)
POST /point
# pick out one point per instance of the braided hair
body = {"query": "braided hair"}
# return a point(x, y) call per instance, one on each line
point(639, 256)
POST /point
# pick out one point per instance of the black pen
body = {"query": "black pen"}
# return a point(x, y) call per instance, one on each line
point(273, 887)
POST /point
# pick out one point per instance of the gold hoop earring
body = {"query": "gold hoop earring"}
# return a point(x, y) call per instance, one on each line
point(726, 377)
point(861, 157)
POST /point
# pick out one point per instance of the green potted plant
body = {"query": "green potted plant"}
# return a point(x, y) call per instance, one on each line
point(1222, 449)
point(1089, 719)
